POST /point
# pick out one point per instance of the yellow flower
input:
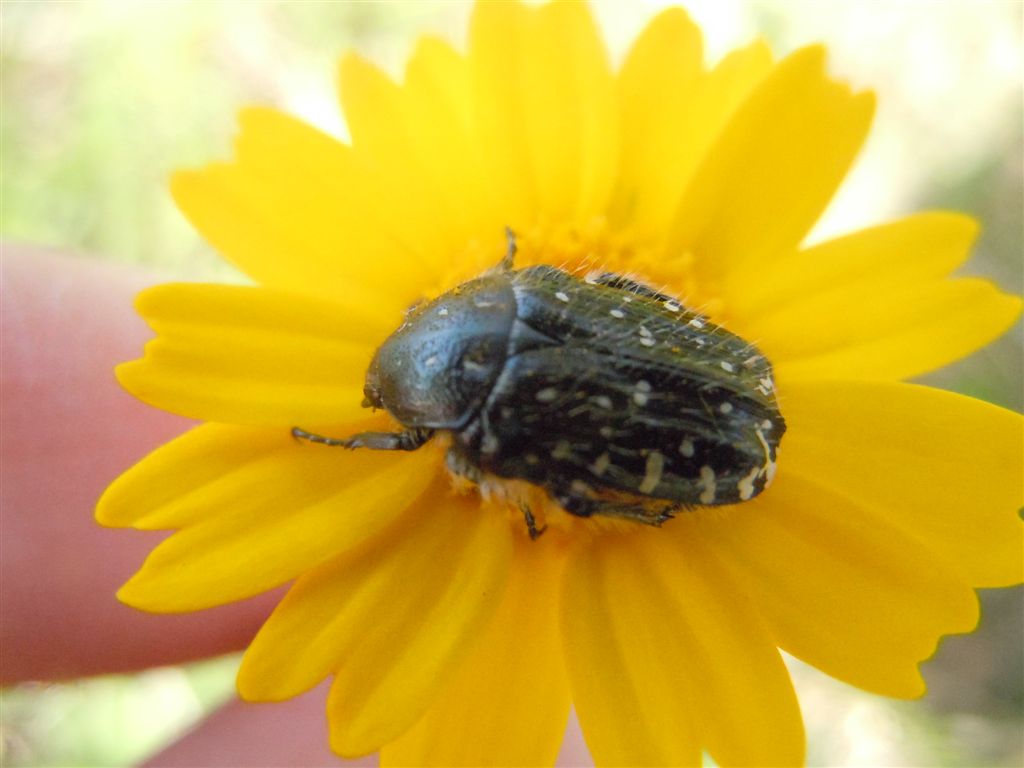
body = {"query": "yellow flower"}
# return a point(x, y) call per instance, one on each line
point(454, 639)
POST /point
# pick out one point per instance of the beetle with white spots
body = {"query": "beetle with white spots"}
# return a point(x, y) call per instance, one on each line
point(614, 398)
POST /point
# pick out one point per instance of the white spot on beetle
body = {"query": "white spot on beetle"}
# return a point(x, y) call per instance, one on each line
point(766, 424)
point(652, 472)
point(561, 296)
point(643, 388)
point(562, 450)
point(765, 385)
point(644, 332)
point(768, 468)
point(443, 311)
point(601, 463)
point(603, 401)
point(475, 367)
point(725, 407)
point(546, 395)
point(746, 484)
point(648, 342)
point(581, 488)
point(697, 323)
point(707, 482)
point(727, 366)
point(765, 448)
point(606, 432)
point(617, 313)
point(686, 448)
point(489, 444)
point(672, 306)
point(431, 361)
point(751, 361)
point(482, 303)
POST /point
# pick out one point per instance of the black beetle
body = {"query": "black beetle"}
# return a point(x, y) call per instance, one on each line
point(614, 398)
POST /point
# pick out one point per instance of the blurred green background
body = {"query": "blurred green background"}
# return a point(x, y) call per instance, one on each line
point(99, 101)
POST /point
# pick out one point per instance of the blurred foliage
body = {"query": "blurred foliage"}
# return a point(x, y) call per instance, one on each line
point(116, 720)
point(101, 101)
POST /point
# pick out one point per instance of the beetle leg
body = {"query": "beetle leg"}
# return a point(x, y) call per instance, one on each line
point(463, 467)
point(407, 440)
point(510, 252)
point(581, 505)
point(648, 515)
point(531, 523)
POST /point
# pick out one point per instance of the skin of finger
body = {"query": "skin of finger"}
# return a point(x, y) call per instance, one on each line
point(574, 752)
point(290, 734)
point(68, 430)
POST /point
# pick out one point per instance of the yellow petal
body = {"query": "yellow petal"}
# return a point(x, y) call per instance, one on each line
point(655, 92)
point(667, 657)
point(840, 586)
point(917, 248)
point(670, 111)
point(875, 333)
point(570, 113)
point(411, 614)
point(772, 170)
point(174, 305)
point(378, 598)
point(252, 356)
point(388, 135)
point(286, 507)
point(510, 698)
point(196, 476)
point(545, 105)
point(945, 469)
point(297, 211)
point(445, 142)
point(498, 36)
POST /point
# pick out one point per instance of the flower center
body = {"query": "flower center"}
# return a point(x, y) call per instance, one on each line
point(592, 246)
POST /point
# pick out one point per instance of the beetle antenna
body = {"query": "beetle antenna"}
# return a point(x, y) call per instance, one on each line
point(510, 252)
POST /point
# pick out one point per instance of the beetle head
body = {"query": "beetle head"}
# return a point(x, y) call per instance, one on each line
point(440, 365)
